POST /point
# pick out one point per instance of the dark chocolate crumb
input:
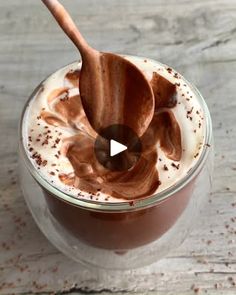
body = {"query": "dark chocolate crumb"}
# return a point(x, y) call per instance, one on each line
point(189, 112)
point(175, 165)
point(45, 142)
point(165, 168)
point(44, 163)
point(195, 289)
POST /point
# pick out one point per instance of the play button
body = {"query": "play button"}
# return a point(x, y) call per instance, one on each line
point(117, 148)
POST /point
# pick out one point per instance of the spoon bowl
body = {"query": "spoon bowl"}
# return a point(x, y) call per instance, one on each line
point(115, 91)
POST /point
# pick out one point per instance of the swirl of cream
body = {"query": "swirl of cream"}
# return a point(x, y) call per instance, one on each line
point(142, 179)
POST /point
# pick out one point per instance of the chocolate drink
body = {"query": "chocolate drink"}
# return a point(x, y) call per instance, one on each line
point(119, 230)
point(59, 141)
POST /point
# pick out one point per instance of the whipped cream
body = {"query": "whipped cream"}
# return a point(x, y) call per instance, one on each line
point(48, 128)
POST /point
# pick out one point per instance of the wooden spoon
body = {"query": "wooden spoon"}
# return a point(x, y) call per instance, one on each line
point(112, 89)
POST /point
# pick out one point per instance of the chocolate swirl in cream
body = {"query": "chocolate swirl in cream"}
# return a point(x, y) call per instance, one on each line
point(142, 179)
point(63, 110)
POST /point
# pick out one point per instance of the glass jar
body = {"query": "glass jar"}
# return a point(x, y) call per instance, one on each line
point(119, 235)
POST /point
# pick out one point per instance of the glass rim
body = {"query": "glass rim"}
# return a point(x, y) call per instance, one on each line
point(127, 205)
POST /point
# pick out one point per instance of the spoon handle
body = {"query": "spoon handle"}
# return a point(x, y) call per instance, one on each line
point(67, 24)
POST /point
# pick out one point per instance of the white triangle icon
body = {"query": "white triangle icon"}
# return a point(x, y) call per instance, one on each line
point(116, 148)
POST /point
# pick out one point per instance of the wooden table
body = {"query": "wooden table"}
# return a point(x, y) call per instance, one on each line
point(198, 38)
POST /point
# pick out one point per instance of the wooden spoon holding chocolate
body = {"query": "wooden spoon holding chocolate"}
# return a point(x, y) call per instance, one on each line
point(112, 89)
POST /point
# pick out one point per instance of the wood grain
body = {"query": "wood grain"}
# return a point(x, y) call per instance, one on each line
point(198, 38)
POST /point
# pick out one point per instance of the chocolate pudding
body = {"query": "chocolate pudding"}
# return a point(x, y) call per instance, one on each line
point(60, 144)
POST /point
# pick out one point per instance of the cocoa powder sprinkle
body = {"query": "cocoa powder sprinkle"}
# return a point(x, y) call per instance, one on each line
point(165, 168)
point(175, 165)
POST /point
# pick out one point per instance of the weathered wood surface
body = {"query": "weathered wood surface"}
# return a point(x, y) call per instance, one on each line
point(198, 38)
